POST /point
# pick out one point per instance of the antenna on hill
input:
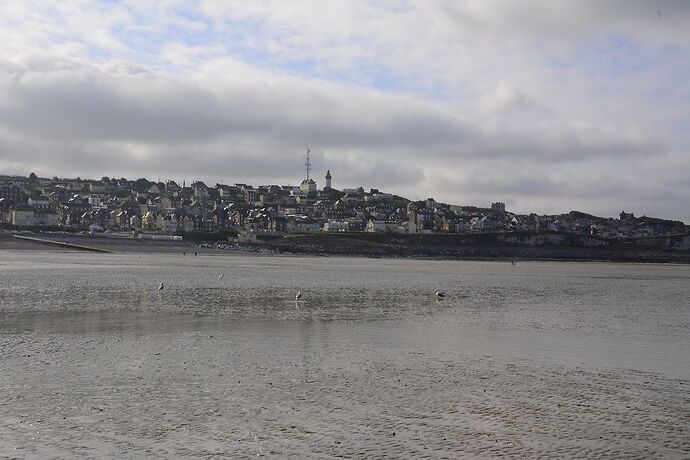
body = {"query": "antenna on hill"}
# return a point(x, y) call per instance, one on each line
point(307, 165)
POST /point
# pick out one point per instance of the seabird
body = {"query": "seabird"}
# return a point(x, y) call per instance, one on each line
point(298, 295)
point(220, 276)
point(160, 288)
point(440, 294)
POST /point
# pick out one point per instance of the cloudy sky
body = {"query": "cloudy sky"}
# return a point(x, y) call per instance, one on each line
point(546, 105)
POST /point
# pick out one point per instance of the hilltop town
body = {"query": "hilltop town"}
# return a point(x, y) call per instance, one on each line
point(149, 208)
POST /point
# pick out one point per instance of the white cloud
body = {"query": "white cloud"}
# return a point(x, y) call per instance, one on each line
point(545, 105)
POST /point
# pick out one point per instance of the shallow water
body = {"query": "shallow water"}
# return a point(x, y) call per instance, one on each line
point(535, 359)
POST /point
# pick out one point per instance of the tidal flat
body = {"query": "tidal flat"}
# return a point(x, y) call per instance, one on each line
point(537, 359)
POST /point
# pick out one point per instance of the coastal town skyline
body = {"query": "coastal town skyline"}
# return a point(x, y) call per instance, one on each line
point(326, 180)
point(545, 106)
point(308, 177)
point(156, 206)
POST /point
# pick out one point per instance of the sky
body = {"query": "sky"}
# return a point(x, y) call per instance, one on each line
point(548, 106)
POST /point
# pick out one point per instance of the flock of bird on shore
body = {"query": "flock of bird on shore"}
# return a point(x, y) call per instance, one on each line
point(298, 296)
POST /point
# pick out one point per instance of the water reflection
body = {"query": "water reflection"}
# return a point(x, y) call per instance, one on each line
point(587, 297)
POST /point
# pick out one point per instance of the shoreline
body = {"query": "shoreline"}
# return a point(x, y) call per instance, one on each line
point(341, 247)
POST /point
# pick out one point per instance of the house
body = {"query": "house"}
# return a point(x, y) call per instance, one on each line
point(376, 226)
point(172, 187)
point(167, 224)
point(45, 217)
point(154, 190)
point(355, 225)
point(200, 190)
point(95, 199)
point(421, 218)
point(122, 220)
point(12, 193)
point(70, 212)
point(335, 226)
point(135, 222)
point(22, 215)
point(38, 200)
point(149, 221)
point(229, 192)
point(302, 224)
point(5, 209)
point(188, 224)
point(96, 187)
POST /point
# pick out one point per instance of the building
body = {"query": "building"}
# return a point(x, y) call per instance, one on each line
point(22, 216)
point(12, 193)
point(27, 215)
point(328, 179)
point(45, 217)
point(307, 186)
point(336, 226)
point(498, 207)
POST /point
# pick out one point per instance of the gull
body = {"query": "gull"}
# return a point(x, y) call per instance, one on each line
point(220, 277)
point(160, 288)
point(298, 295)
point(440, 294)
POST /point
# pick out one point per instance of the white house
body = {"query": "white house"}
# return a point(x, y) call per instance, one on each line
point(376, 226)
point(22, 216)
point(336, 226)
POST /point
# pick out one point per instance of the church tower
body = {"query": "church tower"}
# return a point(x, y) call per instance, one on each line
point(328, 179)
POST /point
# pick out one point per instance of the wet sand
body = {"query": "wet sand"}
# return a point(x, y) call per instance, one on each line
point(283, 390)
point(364, 367)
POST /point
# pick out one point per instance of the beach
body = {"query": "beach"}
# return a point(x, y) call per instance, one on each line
point(539, 359)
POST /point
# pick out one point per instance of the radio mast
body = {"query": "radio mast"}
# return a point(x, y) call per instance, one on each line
point(307, 165)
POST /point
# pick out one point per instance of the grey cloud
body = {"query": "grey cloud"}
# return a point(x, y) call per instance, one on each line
point(89, 104)
point(604, 189)
point(68, 101)
point(68, 117)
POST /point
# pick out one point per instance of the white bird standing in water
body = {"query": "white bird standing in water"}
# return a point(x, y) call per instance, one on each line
point(298, 295)
point(160, 288)
point(440, 294)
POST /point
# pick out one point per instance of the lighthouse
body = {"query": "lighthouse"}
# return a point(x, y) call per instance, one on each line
point(328, 179)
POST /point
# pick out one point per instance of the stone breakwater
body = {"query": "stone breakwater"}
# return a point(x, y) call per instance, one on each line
point(469, 247)
point(479, 247)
